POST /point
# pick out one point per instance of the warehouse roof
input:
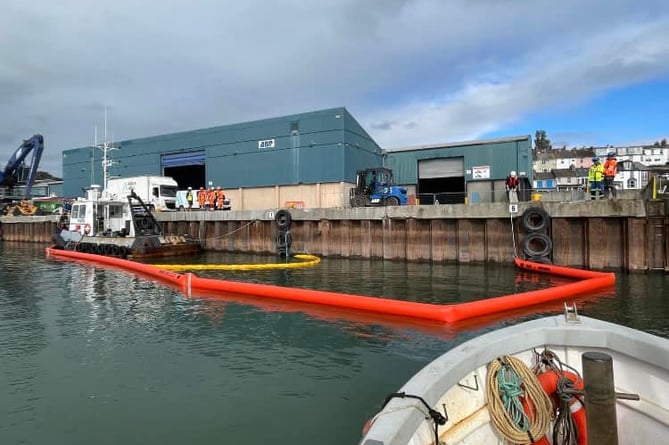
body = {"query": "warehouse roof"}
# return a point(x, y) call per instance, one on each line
point(461, 144)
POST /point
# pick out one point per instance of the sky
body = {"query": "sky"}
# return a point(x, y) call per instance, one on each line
point(412, 72)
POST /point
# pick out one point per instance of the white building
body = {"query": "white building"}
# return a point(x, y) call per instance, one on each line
point(648, 156)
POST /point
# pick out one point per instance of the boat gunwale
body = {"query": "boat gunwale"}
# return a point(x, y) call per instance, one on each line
point(444, 372)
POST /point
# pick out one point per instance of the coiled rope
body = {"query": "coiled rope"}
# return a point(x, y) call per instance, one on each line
point(565, 430)
point(511, 390)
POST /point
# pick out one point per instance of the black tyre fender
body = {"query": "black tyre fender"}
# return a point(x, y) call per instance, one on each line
point(284, 239)
point(535, 219)
point(283, 218)
point(537, 245)
point(282, 252)
point(539, 259)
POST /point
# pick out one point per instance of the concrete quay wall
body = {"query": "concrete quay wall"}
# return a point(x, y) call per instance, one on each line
point(624, 234)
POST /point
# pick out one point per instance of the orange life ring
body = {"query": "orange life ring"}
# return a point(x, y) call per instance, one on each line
point(87, 229)
point(549, 382)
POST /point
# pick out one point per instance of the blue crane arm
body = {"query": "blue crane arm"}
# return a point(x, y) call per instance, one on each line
point(35, 145)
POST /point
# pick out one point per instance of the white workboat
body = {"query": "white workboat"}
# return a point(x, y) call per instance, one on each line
point(105, 224)
point(461, 402)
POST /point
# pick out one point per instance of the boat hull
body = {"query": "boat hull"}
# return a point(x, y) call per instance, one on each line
point(456, 382)
point(151, 246)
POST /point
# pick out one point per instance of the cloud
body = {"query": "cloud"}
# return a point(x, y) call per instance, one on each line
point(548, 80)
point(411, 71)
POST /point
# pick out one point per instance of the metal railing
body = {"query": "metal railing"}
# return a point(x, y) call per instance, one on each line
point(500, 196)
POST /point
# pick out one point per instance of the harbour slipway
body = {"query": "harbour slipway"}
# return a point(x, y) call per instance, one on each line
point(586, 282)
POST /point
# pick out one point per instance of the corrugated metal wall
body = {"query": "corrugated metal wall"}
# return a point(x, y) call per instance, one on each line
point(320, 146)
point(502, 156)
point(323, 146)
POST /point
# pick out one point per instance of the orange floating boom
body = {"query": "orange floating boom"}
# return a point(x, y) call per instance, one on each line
point(590, 281)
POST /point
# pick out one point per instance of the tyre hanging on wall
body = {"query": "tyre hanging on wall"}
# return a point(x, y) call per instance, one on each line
point(537, 245)
point(284, 239)
point(282, 252)
point(535, 219)
point(540, 259)
point(283, 218)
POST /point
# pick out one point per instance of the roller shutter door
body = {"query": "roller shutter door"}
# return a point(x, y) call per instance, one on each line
point(182, 159)
point(441, 168)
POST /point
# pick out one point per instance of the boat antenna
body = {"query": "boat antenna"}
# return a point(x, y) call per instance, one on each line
point(105, 147)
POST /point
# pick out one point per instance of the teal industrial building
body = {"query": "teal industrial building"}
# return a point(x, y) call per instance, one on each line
point(307, 159)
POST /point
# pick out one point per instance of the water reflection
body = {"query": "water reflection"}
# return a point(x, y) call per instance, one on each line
point(89, 352)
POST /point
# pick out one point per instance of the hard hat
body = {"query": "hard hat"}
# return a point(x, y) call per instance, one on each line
point(218, 188)
point(595, 159)
point(513, 173)
point(612, 154)
point(190, 188)
point(201, 188)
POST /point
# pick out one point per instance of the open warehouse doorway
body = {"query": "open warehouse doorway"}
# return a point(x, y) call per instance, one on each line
point(188, 169)
point(441, 181)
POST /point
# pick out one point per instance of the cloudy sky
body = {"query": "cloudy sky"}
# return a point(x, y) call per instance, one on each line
point(412, 72)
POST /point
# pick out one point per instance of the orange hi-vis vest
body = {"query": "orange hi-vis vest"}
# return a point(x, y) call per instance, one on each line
point(201, 197)
point(220, 197)
point(211, 197)
point(610, 167)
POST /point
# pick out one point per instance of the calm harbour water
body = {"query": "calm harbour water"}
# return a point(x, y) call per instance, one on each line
point(94, 356)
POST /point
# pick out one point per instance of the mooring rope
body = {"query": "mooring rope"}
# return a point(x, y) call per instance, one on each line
point(519, 408)
point(232, 231)
point(513, 237)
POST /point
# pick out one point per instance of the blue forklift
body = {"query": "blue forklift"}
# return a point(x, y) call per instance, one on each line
point(375, 187)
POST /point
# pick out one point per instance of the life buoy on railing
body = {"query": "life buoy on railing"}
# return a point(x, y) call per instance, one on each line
point(87, 229)
point(552, 383)
point(535, 219)
point(537, 245)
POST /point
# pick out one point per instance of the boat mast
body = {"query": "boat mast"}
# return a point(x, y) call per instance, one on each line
point(105, 146)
